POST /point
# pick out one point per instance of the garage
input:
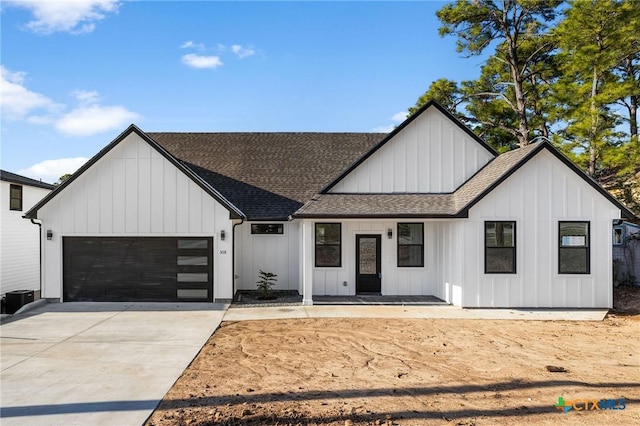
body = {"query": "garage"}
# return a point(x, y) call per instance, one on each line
point(140, 269)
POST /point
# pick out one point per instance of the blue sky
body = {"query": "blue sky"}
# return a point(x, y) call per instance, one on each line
point(76, 74)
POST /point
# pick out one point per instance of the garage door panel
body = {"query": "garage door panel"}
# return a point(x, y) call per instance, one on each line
point(137, 269)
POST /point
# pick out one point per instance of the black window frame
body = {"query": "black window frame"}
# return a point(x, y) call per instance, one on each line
point(12, 198)
point(255, 229)
point(398, 245)
point(586, 248)
point(317, 245)
point(513, 247)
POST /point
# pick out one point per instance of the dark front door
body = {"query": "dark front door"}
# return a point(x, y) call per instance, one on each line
point(368, 264)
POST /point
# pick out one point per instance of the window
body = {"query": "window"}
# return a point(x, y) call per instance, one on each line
point(410, 244)
point(573, 253)
point(15, 197)
point(193, 244)
point(618, 236)
point(328, 244)
point(499, 247)
point(267, 228)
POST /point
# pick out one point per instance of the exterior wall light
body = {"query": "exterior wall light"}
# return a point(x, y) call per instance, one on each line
point(49, 234)
point(222, 235)
point(390, 233)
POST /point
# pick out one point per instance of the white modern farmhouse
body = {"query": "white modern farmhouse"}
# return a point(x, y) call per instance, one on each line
point(429, 209)
point(20, 240)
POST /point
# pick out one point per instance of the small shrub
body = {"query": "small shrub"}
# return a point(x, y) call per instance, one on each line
point(266, 281)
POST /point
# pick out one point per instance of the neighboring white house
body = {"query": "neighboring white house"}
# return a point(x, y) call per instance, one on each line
point(429, 209)
point(20, 252)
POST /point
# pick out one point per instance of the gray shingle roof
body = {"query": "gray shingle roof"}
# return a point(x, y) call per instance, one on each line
point(379, 205)
point(490, 175)
point(420, 205)
point(270, 176)
point(12, 177)
point(267, 175)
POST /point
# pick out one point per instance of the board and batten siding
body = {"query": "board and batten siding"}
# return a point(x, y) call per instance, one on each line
point(539, 195)
point(430, 155)
point(134, 191)
point(276, 253)
point(20, 246)
point(403, 281)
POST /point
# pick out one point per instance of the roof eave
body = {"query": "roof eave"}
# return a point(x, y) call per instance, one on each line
point(381, 216)
point(270, 219)
point(41, 185)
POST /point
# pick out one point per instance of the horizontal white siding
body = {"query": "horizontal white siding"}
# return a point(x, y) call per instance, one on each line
point(20, 247)
point(430, 155)
point(276, 253)
point(538, 196)
point(134, 191)
point(395, 281)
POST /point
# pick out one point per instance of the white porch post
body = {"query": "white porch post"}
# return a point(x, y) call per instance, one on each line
point(306, 263)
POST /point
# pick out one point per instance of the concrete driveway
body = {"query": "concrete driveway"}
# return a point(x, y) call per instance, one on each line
point(97, 364)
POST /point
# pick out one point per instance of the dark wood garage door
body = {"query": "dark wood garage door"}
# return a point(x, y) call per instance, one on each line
point(122, 269)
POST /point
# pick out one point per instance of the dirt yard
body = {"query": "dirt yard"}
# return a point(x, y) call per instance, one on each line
point(411, 372)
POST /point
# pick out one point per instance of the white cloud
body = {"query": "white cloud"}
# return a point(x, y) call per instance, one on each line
point(93, 119)
point(86, 97)
point(51, 170)
point(72, 16)
point(384, 129)
point(241, 51)
point(192, 45)
point(201, 62)
point(87, 118)
point(16, 101)
point(400, 116)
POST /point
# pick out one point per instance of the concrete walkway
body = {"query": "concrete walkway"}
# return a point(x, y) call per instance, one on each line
point(447, 312)
point(97, 364)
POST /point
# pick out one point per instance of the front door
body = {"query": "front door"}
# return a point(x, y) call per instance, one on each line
point(368, 264)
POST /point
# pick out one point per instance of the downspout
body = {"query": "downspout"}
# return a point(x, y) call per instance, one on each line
point(40, 252)
point(233, 258)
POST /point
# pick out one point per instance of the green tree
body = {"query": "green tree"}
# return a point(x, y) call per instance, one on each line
point(586, 38)
point(520, 63)
point(599, 43)
point(62, 179)
point(446, 93)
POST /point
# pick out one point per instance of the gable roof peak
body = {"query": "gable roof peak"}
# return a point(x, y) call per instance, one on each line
point(132, 128)
point(429, 105)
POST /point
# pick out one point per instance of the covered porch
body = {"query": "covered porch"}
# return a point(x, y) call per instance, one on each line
point(379, 261)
